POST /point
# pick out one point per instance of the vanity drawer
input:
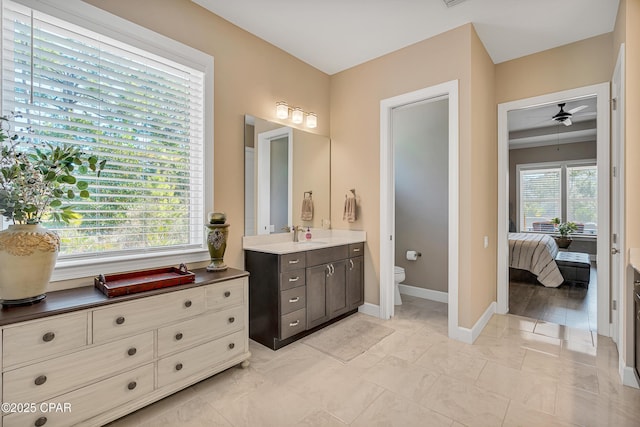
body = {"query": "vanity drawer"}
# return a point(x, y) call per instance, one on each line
point(327, 255)
point(356, 249)
point(225, 294)
point(43, 338)
point(89, 401)
point(128, 318)
point(182, 365)
point(43, 380)
point(293, 323)
point(294, 261)
point(206, 327)
point(292, 300)
point(292, 279)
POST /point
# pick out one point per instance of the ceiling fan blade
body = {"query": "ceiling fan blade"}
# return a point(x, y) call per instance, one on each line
point(567, 122)
point(575, 110)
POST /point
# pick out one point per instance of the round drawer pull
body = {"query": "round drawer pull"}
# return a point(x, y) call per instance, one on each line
point(178, 336)
point(41, 380)
point(40, 422)
point(231, 346)
point(227, 294)
point(232, 319)
point(178, 366)
point(49, 336)
point(120, 320)
point(132, 385)
point(187, 303)
point(132, 351)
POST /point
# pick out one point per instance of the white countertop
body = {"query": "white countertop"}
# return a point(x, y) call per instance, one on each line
point(282, 243)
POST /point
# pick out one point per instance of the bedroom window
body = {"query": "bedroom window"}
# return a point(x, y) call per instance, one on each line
point(565, 190)
point(75, 74)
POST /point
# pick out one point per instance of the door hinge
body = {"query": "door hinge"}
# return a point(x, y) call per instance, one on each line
point(614, 238)
point(614, 305)
point(614, 171)
point(390, 237)
point(614, 104)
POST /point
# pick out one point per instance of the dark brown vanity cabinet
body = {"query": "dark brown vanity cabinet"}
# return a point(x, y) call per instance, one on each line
point(294, 294)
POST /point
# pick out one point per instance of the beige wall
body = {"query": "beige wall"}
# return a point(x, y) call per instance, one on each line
point(355, 132)
point(250, 77)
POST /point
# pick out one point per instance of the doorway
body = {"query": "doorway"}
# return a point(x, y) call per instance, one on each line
point(601, 92)
point(448, 90)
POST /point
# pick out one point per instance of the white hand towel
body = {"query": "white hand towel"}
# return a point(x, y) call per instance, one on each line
point(306, 213)
point(349, 213)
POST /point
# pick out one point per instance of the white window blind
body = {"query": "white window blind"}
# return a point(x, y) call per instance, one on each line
point(540, 196)
point(582, 196)
point(139, 111)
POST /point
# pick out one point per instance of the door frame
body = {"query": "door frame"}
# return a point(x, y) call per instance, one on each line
point(263, 177)
point(387, 199)
point(601, 91)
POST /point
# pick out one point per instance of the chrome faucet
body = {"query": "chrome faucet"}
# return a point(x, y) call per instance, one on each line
point(296, 229)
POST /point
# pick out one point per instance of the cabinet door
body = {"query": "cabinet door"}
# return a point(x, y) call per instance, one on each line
point(337, 289)
point(355, 282)
point(316, 295)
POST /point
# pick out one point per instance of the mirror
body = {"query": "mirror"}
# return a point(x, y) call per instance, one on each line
point(283, 167)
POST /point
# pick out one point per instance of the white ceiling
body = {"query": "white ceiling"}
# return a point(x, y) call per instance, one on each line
point(333, 35)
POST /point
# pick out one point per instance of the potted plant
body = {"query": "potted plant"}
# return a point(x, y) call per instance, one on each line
point(564, 228)
point(37, 179)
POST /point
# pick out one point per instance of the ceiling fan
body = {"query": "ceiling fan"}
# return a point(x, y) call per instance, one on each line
point(564, 117)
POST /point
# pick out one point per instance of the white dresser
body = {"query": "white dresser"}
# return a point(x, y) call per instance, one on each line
point(79, 358)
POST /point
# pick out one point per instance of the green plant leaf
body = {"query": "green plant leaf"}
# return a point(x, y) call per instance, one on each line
point(82, 185)
point(71, 194)
point(85, 194)
point(55, 203)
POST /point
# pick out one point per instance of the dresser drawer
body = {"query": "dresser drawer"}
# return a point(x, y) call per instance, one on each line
point(205, 327)
point(294, 261)
point(225, 294)
point(356, 249)
point(128, 318)
point(292, 279)
point(292, 300)
point(43, 380)
point(327, 255)
point(42, 338)
point(88, 401)
point(293, 323)
point(206, 356)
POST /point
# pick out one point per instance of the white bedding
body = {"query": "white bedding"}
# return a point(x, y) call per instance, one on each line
point(535, 252)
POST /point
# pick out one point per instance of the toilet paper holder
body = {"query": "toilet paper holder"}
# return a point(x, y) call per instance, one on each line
point(413, 255)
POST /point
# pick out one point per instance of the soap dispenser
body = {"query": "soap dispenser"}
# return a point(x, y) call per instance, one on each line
point(308, 235)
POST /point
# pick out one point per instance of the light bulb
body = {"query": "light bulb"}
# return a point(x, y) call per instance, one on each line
point(282, 110)
point(312, 120)
point(297, 115)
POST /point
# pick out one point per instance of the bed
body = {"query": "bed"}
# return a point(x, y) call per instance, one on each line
point(536, 253)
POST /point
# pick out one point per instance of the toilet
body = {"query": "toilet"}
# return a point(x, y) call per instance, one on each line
point(398, 276)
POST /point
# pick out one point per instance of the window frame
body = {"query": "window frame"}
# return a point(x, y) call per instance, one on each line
point(562, 165)
point(80, 13)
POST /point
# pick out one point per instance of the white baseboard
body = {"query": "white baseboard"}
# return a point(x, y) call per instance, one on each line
point(370, 309)
point(467, 335)
point(423, 293)
point(627, 374)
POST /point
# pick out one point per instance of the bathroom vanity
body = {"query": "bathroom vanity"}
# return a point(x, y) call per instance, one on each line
point(298, 288)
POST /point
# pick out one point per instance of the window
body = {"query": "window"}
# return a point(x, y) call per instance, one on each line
point(141, 108)
point(566, 190)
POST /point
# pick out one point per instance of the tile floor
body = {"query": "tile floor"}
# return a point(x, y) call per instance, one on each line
point(519, 372)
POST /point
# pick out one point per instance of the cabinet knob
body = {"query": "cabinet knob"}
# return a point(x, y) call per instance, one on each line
point(227, 294)
point(294, 261)
point(296, 323)
point(132, 385)
point(40, 422)
point(350, 264)
point(294, 279)
point(356, 249)
point(187, 303)
point(232, 319)
point(292, 300)
point(40, 380)
point(178, 336)
point(120, 320)
point(132, 351)
point(178, 366)
point(231, 346)
point(49, 336)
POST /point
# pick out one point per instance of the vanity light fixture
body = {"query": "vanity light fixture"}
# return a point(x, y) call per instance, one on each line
point(297, 115)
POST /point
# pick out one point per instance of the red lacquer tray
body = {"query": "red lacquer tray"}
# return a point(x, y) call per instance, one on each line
point(113, 285)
